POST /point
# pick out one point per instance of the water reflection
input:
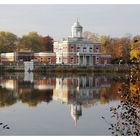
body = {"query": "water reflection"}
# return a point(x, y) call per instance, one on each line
point(76, 91)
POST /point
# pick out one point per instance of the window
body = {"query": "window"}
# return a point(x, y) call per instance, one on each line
point(78, 49)
point(97, 49)
point(90, 49)
point(72, 49)
point(84, 49)
point(77, 59)
point(71, 59)
point(49, 59)
point(97, 60)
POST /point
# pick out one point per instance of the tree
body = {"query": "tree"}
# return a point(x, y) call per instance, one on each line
point(48, 43)
point(32, 41)
point(135, 49)
point(105, 40)
point(91, 36)
point(8, 42)
point(7, 97)
point(126, 115)
point(117, 47)
point(124, 44)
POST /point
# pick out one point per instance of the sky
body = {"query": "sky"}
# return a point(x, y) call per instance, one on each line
point(56, 19)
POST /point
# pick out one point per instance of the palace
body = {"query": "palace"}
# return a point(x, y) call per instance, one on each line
point(79, 50)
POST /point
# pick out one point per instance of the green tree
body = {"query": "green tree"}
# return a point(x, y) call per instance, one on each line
point(32, 41)
point(8, 42)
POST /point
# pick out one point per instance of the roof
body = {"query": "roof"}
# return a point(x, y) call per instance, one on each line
point(44, 54)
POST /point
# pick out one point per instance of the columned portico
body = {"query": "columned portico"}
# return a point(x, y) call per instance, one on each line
point(85, 60)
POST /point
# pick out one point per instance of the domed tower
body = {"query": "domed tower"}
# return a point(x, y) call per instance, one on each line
point(76, 112)
point(77, 29)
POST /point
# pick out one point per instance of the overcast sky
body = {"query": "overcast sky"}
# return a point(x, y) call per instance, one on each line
point(56, 20)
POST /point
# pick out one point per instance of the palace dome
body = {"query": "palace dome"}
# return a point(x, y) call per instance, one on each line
point(77, 24)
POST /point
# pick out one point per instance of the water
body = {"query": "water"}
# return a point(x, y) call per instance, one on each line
point(32, 104)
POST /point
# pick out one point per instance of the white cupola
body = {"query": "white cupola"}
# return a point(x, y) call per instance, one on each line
point(77, 29)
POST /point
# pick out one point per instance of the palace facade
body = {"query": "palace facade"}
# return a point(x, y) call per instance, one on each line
point(79, 50)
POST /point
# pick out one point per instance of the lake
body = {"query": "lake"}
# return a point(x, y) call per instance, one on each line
point(57, 104)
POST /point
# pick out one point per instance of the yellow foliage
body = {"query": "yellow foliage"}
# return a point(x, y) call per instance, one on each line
point(134, 87)
point(134, 54)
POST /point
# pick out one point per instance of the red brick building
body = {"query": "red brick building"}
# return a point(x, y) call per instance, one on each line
point(79, 50)
point(49, 58)
point(23, 56)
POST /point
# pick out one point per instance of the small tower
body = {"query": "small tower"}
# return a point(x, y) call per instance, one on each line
point(77, 29)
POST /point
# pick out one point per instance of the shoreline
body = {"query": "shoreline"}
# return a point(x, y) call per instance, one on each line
point(68, 68)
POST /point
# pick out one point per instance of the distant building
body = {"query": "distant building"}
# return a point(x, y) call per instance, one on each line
point(23, 56)
point(7, 57)
point(49, 58)
point(79, 50)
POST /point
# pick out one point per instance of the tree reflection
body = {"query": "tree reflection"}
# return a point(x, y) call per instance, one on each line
point(35, 97)
point(7, 97)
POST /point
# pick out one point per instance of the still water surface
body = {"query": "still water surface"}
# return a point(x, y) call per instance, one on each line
point(32, 104)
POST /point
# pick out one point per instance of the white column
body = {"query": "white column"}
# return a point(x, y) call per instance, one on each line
point(90, 60)
point(85, 60)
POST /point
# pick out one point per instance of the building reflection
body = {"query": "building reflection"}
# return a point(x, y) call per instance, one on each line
point(77, 92)
point(26, 89)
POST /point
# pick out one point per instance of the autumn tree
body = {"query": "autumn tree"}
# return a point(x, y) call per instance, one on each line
point(127, 113)
point(135, 49)
point(126, 43)
point(91, 36)
point(119, 48)
point(7, 42)
point(106, 44)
